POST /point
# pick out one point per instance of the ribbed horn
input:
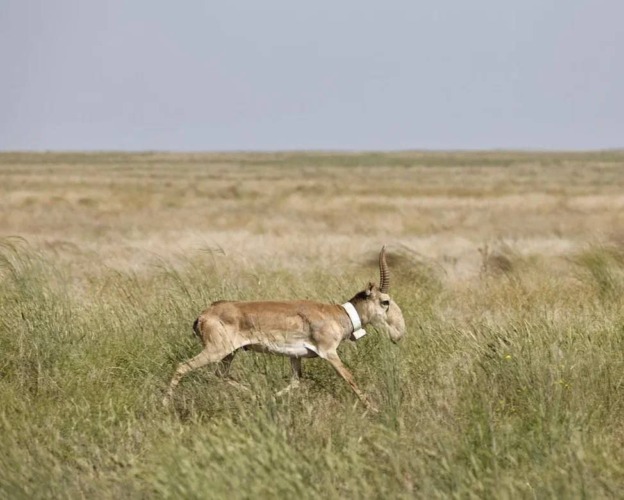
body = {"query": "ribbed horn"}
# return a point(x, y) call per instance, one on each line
point(384, 278)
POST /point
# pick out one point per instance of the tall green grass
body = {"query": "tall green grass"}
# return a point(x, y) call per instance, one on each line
point(511, 386)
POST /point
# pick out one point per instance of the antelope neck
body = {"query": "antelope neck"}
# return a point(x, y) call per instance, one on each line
point(358, 331)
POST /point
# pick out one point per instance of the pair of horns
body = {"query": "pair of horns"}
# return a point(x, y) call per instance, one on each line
point(384, 278)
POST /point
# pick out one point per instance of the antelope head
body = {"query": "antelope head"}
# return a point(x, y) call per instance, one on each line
point(377, 308)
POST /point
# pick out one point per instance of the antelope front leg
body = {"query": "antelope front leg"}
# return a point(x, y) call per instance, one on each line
point(346, 374)
point(295, 365)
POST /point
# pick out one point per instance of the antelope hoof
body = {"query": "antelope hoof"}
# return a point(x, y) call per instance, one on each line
point(370, 406)
point(238, 385)
point(293, 385)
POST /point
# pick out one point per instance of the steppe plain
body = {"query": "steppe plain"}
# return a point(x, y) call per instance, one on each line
point(509, 268)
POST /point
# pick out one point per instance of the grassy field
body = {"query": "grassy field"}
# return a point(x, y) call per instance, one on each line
point(509, 268)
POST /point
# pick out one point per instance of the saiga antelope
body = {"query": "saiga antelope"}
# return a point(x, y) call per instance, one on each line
point(297, 329)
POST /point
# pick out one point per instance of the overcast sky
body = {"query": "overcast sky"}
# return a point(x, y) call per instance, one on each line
point(281, 74)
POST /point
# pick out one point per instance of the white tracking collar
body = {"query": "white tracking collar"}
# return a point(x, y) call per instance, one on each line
point(358, 331)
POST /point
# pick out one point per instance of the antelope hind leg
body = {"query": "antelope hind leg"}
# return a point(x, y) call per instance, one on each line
point(202, 359)
point(223, 370)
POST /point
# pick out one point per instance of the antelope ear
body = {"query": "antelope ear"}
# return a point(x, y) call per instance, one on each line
point(369, 289)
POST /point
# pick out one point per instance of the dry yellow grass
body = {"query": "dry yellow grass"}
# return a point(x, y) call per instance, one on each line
point(509, 268)
point(305, 208)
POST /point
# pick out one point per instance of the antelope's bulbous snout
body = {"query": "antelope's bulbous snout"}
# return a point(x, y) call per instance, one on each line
point(395, 323)
point(395, 336)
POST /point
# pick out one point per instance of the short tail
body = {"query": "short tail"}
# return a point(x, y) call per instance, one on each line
point(196, 331)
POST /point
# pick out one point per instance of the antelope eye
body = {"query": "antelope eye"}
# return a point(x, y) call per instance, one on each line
point(385, 303)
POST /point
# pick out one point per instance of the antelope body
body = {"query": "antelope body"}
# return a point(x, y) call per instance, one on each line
point(297, 329)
